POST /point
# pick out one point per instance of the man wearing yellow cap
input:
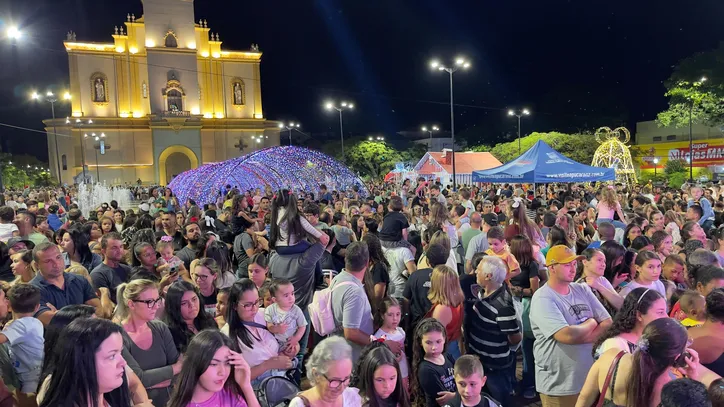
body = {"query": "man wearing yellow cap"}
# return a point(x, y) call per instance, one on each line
point(566, 319)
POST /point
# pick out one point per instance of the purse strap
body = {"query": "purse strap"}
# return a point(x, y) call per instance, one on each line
point(609, 376)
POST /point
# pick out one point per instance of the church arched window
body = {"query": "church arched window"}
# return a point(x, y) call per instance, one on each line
point(170, 41)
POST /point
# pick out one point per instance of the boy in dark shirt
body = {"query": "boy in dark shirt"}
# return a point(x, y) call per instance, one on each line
point(394, 227)
point(470, 379)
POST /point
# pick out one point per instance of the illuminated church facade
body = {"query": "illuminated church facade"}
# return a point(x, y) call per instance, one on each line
point(162, 98)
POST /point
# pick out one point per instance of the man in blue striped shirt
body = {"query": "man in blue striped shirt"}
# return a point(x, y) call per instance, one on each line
point(492, 327)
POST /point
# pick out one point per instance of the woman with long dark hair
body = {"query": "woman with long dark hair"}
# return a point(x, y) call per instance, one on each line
point(631, 232)
point(379, 266)
point(89, 368)
point(639, 308)
point(556, 236)
point(206, 379)
point(75, 249)
point(379, 380)
point(614, 254)
point(662, 355)
point(185, 315)
point(246, 326)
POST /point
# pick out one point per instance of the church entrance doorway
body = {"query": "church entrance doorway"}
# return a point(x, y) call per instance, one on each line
point(176, 163)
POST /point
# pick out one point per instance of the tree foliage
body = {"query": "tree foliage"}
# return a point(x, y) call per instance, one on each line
point(578, 147)
point(689, 96)
point(674, 166)
point(372, 159)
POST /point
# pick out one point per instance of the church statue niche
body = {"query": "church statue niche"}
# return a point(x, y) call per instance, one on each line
point(99, 88)
point(170, 41)
point(174, 96)
point(237, 92)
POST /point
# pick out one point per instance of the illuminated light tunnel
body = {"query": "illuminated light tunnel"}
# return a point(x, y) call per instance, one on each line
point(288, 167)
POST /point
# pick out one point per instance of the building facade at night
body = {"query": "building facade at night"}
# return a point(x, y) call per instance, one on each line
point(670, 143)
point(162, 97)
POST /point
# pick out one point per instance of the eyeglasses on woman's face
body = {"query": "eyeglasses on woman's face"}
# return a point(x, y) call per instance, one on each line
point(257, 303)
point(336, 383)
point(150, 303)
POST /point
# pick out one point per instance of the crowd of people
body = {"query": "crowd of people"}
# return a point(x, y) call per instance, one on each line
point(414, 294)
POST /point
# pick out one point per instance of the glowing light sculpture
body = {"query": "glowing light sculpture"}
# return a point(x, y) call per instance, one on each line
point(614, 153)
point(288, 167)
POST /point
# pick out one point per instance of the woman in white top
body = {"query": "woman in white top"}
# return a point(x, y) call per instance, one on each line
point(329, 371)
point(246, 326)
point(639, 308)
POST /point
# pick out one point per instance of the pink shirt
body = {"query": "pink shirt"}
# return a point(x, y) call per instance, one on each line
point(221, 399)
point(605, 211)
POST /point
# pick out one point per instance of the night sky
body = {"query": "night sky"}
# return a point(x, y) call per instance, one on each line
point(576, 64)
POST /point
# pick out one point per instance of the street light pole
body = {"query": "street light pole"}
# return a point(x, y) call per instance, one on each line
point(691, 132)
point(430, 131)
point(342, 106)
point(524, 112)
point(656, 164)
point(460, 63)
point(291, 126)
point(51, 98)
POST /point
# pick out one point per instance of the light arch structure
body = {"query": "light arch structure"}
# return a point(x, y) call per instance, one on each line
point(289, 167)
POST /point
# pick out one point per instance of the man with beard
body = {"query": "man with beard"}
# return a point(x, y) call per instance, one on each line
point(192, 233)
point(168, 222)
point(111, 273)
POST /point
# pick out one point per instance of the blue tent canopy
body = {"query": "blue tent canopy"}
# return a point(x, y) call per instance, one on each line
point(542, 165)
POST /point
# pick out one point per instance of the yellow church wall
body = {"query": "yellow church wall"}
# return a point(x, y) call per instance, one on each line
point(243, 71)
point(88, 65)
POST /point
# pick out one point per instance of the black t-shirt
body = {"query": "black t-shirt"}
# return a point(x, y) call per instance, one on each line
point(380, 275)
point(331, 262)
point(392, 225)
point(416, 289)
point(522, 280)
point(466, 283)
point(210, 302)
point(178, 239)
point(458, 402)
point(435, 378)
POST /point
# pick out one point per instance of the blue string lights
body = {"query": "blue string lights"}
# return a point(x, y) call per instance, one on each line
point(291, 167)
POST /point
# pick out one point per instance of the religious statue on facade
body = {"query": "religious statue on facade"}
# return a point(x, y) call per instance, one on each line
point(99, 90)
point(238, 94)
point(144, 90)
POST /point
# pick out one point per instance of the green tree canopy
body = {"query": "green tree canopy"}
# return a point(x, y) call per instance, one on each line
point(578, 147)
point(372, 159)
point(689, 95)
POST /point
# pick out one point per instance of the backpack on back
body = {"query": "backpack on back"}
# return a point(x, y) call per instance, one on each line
point(320, 310)
point(276, 391)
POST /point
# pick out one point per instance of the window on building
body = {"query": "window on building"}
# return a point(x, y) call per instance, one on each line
point(170, 41)
point(671, 137)
point(64, 162)
point(657, 138)
point(175, 100)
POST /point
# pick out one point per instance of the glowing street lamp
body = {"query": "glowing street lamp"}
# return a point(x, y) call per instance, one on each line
point(342, 106)
point(14, 33)
point(290, 126)
point(430, 130)
point(656, 164)
point(524, 112)
point(51, 98)
point(460, 63)
point(691, 134)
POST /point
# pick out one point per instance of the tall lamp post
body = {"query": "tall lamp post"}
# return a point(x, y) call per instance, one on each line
point(97, 139)
point(80, 123)
point(691, 132)
point(524, 112)
point(342, 106)
point(430, 130)
point(290, 126)
point(656, 164)
point(460, 63)
point(51, 98)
